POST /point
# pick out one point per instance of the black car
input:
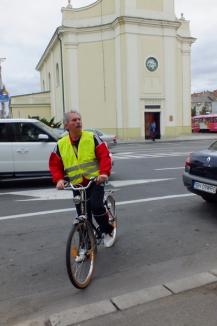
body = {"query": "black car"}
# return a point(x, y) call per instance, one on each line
point(200, 176)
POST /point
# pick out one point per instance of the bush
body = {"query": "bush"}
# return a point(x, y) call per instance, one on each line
point(51, 123)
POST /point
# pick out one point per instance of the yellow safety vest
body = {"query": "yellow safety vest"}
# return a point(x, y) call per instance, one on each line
point(82, 163)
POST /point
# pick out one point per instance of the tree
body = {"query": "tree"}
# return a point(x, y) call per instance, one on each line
point(193, 111)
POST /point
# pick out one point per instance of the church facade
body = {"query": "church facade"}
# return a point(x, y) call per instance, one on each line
point(121, 64)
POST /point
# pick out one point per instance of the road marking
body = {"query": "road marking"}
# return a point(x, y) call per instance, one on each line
point(178, 168)
point(128, 202)
point(54, 194)
point(10, 217)
point(136, 201)
point(124, 183)
point(123, 156)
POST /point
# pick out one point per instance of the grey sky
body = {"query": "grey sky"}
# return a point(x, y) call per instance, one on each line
point(27, 26)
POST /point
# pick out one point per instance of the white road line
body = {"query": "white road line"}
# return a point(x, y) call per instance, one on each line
point(129, 202)
point(9, 217)
point(125, 183)
point(177, 168)
point(54, 194)
point(148, 155)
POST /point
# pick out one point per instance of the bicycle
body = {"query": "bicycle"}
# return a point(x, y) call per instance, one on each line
point(81, 248)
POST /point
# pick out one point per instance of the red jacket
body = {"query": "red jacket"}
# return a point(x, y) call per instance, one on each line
point(102, 154)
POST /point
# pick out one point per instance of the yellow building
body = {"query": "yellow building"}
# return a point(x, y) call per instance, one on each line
point(121, 63)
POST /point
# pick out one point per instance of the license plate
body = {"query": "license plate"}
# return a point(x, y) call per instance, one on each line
point(204, 187)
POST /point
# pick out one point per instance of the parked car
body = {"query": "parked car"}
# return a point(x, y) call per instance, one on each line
point(25, 147)
point(111, 140)
point(200, 175)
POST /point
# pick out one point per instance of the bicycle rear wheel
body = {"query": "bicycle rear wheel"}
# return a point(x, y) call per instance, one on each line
point(81, 254)
point(111, 210)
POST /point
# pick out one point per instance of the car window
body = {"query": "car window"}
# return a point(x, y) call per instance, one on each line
point(99, 133)
point(6, 134)
point(27, 132)
point(47, 130)
point(213, 146)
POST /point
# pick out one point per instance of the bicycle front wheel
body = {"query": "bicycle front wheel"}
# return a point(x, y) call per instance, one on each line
point(81, 254)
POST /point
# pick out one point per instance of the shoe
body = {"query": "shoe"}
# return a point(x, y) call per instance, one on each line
point(81, 256)
point(108, 240)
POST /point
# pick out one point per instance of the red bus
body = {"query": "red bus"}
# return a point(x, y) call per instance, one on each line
point(204, 123)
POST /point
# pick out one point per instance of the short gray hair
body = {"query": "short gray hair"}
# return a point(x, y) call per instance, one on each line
point(66, 115)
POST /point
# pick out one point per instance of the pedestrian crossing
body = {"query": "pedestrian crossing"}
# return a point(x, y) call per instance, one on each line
point(134, 155)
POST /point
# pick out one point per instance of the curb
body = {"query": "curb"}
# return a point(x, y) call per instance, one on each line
point(163, 140)
point(90, 311)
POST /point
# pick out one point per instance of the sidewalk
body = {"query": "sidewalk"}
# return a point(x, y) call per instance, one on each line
point(191, 301)
point(192, 137)
point(196, 307)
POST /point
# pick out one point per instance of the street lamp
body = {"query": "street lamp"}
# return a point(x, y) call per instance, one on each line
point(3, 93)
point(1, 83)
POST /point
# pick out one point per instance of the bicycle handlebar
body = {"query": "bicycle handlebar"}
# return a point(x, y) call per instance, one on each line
point(68, 185)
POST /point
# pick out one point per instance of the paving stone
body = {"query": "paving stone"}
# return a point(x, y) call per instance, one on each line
point(82, 313)
point(139, 297)
point(192, 282)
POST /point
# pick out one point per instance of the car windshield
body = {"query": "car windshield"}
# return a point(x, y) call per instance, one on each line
point(213, 146)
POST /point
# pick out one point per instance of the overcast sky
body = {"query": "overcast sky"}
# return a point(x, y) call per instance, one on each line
point(26, 27)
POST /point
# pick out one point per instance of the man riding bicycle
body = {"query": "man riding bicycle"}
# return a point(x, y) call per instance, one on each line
point(81, 155)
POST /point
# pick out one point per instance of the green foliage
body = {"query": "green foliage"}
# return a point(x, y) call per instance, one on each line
point(193, 111)
point(51, 123)
point(203, 110)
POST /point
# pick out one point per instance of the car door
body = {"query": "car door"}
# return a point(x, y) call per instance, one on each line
point(31, 152)
point(6, 155)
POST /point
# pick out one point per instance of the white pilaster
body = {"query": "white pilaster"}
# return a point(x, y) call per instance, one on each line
point(118, 65)
point(133, 81)
point(170, 77)
point(186, 84)
point(71, 77)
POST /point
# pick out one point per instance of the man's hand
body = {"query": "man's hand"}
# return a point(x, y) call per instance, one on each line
point(101, 178)
point(60, 184)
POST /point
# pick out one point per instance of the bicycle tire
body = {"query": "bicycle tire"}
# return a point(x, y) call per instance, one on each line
point(81, 273)
point(111, 209)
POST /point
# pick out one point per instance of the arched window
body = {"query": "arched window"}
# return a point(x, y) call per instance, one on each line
point(57, 75)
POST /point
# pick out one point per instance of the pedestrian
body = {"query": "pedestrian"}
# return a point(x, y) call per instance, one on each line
point(81, 155)
point(152, 130)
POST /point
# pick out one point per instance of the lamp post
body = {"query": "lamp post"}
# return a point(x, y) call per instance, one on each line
point(2, 91)
point(1, 83)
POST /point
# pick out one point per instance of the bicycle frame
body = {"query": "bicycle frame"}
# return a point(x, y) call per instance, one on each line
point(81, 247)
point(83, 202)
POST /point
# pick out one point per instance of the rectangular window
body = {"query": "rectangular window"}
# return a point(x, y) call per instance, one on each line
point(152, 107)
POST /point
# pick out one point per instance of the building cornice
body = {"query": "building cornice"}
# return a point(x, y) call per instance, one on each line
point(189, 40)
point(48, 48)
point(29, 94)
point(122, 20)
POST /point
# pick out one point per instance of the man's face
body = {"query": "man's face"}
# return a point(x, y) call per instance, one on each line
point(74, 124)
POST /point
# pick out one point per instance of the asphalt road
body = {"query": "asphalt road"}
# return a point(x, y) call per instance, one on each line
point(164, 233)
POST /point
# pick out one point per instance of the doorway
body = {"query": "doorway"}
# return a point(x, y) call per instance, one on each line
point(149, 117)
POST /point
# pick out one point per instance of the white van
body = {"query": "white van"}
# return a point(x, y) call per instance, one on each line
point(25, 147)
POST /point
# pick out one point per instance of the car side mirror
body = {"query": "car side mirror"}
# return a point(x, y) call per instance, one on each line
point(43, 137)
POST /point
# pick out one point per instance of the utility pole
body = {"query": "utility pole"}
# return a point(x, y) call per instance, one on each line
point(3, 92)
point(1, 83)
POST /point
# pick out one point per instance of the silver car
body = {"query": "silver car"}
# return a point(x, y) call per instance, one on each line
point(110, 140)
